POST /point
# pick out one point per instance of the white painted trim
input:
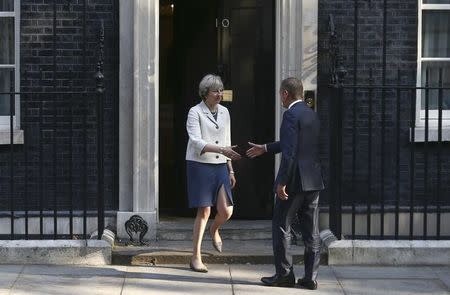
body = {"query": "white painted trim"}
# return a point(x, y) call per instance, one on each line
point(156, 120)
point(278, 19)
point(5, 136)
point(434, 6)
point(419, 133)
point(17, 62)
point(126, 101)
point(309, 44)
point(419, 61)
point(145, 108)
point(295, 32)
point(435, 58)
point(7, 14)
point(420, 114)
point(433, 115)
point(4, 120)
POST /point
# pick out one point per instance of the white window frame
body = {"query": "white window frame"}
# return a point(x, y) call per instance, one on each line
point(5, 120)
point(432, 114)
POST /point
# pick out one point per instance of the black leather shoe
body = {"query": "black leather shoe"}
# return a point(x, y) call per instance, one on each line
point(279, 281)
point(307, 284)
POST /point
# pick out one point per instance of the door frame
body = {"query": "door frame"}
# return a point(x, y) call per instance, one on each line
point(286, 32)
point(289, 16)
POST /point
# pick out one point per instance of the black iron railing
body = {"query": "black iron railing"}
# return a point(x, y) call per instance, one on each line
point(388, 162)
point(51, 179)
point(389, 172)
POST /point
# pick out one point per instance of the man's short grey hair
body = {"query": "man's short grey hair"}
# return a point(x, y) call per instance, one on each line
point(209, 82)
point(293, 86)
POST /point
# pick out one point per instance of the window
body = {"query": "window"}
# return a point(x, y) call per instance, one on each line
point(433, 58)
point(9, 58)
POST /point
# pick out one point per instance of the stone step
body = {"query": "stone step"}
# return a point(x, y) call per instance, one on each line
point(179, 252)
point(180, 229)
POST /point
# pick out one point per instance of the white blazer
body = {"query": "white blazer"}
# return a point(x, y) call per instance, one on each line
point(203, 129)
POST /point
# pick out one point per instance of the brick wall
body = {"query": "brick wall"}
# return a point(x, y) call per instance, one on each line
point(54, 124)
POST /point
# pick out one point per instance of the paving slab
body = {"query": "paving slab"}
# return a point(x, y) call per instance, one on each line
point(383, 272)
point(176, 280)
point(8, 275)
point(246, 280)
point(67, 285)
point(75, 270)
point(393, 286)
point(443, 274)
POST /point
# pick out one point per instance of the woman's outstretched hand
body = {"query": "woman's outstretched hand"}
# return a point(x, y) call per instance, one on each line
point(255, 150)
point(230, 153)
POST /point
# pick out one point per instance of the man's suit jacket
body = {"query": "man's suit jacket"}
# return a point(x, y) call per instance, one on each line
point(300, 168)
point(203, 129)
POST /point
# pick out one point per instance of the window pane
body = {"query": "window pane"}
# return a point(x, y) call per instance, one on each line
point(6, 5)
point(5, 86)
point(433, 81)
point(436, 1)
point(6, 40)
point(436, 33)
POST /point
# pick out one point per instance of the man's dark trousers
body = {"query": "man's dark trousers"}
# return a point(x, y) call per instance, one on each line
point(305, 204)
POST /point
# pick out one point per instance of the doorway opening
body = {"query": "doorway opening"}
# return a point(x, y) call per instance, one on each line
point(234, 39)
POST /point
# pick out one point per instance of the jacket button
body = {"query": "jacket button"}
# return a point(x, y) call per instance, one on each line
point(217, 157)
point(217, 142)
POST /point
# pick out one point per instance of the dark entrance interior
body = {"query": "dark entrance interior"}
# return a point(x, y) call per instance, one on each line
point(234, 39)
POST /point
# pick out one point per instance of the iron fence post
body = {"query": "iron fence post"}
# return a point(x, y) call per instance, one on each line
point(100, 91)
point(337, 75)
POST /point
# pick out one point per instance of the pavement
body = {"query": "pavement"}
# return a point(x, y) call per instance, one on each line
point(221, 279)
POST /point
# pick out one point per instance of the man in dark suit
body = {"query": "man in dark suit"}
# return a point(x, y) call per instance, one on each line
point(297, 186)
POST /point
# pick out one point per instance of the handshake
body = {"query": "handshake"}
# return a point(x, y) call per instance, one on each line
point(249, 150)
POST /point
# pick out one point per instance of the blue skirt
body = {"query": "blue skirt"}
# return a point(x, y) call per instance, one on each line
point(204, 181)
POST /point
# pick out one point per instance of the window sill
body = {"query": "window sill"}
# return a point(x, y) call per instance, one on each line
point(5, 136)
point(419, 134)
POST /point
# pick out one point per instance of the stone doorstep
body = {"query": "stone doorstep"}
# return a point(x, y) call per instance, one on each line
point(82, 252)
point(388, 252)
point(179, 252)
point(180, 229)
point(227, 234)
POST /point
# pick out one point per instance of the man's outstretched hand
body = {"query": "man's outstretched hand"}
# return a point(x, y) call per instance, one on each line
point(255, 150)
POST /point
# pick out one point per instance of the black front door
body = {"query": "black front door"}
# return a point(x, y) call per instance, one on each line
point(235, 39)
point(246, 62)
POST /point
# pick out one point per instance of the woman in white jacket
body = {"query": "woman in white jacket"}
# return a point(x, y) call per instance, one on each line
point(210, 175)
